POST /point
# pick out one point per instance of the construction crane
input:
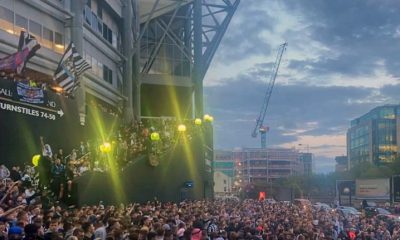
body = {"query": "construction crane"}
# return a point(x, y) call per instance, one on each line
point(260, 120)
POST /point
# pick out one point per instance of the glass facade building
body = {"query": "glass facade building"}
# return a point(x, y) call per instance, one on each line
point(373, 136)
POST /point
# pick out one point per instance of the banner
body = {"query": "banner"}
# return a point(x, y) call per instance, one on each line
point(9, 63)
point(21, 98)
point(30, 94)
point(373, 188)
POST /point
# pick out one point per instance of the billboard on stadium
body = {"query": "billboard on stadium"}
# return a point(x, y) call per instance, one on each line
point(28, 112)
point(373, 188)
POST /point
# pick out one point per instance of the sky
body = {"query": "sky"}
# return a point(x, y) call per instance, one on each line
point(342, 60)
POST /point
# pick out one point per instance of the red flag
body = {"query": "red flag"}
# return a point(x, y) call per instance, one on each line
point(261, 196)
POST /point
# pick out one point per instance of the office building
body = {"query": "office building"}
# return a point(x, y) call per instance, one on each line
point(373, 137)
point(342, 164)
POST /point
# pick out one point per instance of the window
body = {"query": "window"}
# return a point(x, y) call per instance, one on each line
point(100, 68)
point(94, 66)
point(88, 58)
point(6, 14)
point(58, 42)
point(7, 20)
point(58, 38)
point(105, 30)
point(99, 25)
point(88, 15)
point(48, 37)
point(107, 74)
point(94, 21)
point(35, 29)
point(99, 10)
point(21, 22)
point(224, 181)
point(110, 36)
point(107, 33)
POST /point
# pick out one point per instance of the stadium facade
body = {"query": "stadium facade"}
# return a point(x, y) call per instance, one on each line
point(148, 58)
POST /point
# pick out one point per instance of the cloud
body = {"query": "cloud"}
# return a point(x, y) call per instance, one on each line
point(315, 115)
point(361, 33)
point(342, 61)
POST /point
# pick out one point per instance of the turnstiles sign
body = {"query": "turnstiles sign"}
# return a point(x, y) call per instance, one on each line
point(19, 97)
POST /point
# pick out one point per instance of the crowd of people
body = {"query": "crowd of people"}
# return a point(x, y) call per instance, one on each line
point(33, 204)
point(57, 170)
point(25, 214)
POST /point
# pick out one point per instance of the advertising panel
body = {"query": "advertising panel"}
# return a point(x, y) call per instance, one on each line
point(373, 188)
point(345, 187)
point(28, 112)
point(396, 188)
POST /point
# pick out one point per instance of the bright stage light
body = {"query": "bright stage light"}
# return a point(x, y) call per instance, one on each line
point(208, 118)
point(181, 128)
point(58, 89)
point(35, 160)
point(105, 147)
point(197, 121)
point(155, 136)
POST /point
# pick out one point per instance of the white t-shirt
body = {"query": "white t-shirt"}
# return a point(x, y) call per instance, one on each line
point(47, 151)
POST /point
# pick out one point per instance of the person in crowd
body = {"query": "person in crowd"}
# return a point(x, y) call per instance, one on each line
point(60, 154)
point(69, 175)
point(53, 230)
point(45, 163)
point(58, 178)
point(31, 232)
point(46, 149)
point(30, 212)
point(88, 230)
point(15, 173)
point(82, 149)
point(15, 233)
point(100, 232)
point(73, 156)
point(4, 172)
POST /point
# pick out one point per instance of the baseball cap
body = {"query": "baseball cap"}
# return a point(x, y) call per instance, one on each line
point(15, 230)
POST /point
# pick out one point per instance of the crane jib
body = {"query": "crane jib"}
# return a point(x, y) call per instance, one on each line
point(271, 83)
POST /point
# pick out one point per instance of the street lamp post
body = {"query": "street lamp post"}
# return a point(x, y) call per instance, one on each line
point(348, 191)
point(307, 146)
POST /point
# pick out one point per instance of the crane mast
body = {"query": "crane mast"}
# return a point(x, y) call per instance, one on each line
point(260, 120)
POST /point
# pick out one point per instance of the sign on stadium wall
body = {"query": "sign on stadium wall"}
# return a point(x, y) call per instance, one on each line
point(21, 98)
point(373, 188)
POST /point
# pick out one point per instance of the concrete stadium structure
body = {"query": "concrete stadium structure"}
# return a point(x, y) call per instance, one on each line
point(148, 57)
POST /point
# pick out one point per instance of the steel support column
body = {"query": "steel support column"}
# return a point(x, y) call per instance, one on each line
point(198, 58)
point(136, 60)
point(127, 40)
point(77, 39)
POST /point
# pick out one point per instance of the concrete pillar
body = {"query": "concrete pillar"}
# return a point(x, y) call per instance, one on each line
point(77, 39)
point(127, 40)
point(198, 56)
